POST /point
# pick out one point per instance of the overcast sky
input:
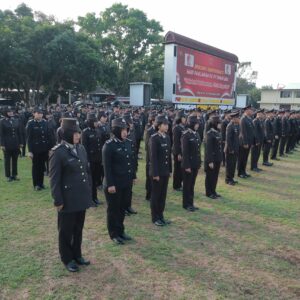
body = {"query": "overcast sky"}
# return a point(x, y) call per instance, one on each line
point(264, 32)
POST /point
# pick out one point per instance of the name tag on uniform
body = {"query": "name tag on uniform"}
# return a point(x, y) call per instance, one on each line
point(92, 135)
point(71, 159)
point(119, 149)
point(164, 145)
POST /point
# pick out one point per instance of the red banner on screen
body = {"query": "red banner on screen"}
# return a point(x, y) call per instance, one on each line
point(203, 75)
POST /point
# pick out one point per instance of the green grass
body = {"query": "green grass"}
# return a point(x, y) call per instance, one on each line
point(244, 246)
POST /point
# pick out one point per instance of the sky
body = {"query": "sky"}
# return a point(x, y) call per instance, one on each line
point(264, 32)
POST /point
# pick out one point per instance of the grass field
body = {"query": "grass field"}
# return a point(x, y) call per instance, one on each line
point(244, 246)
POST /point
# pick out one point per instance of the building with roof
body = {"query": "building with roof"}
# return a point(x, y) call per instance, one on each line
point(287, 97)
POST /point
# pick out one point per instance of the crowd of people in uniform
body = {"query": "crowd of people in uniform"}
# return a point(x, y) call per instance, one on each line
point(91, 148)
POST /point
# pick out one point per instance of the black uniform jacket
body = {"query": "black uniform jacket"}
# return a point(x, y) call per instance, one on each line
point(70, 178)
point(258, 131)
point(213, 147)
point(232, 138)
point(246, 131)
point(11, 136)
point(92, 141)
point(177, 133)
point(190, 148)
point(118, 163)
point(160, 155)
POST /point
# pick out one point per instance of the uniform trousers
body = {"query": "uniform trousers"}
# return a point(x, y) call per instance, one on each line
point(189, 180)
point(211, 178)
point(11, 162)
point(70, 226)
point(231, 160)
point(177, 175)
point(38, 167)
point(158, 197)
point(116, 205)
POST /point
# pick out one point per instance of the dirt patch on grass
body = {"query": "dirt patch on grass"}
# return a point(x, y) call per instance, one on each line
point(291, 256)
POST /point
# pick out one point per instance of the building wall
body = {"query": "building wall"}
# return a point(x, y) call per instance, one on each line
point(272, 99)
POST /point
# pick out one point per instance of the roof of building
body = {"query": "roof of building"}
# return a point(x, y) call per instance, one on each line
point(175, 38)
point(101, 91)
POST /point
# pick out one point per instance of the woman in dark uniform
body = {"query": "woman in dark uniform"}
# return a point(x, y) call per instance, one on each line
point(71, 189)
point(213, 156)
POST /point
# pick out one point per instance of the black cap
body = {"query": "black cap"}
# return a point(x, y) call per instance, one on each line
point(161, 120)
point(270, 111)
point(119, 122)
point(116, 103)
point(38, 109)
point(70, 124)
point(260, 110)
point(180, 114)
point(192, 120)
point(247, 107)
point(235, 114)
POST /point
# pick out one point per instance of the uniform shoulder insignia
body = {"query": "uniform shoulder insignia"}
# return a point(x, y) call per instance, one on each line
point(185, 132)
point(56, 147)
point(155, 134)
point(129, 140)
point(109, 141)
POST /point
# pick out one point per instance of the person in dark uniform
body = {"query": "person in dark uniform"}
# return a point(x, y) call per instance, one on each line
point(68, 113)
point(178, 129)
point(38, 140)
point(116, 111)
point(224, 125)
point(104, 131)
point(23, 119)
point(246, 141)
point(191, 162)
point(231, 148)
point(213, 156)
point(258, 140)
point(131, 137)
point(277, 135)
point(149, 132)
point(269, 136)
point(284, 132)
point(11, 141)
point(119, 175)
point(160, 169)
point(71, 190)
point(91, 140)
point(138, 130)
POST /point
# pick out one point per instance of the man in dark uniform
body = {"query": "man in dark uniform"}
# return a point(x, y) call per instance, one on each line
point(269, 136)
point(246, 141)
point(224, 125)
point(149, 132)
point(284, 132)
point(38, 140)
point(138, 130)
point(160, 169)
point(68, 113)
point(277, 135)
point(178, 129)
point(231, 148)
point(71, 190)
point(119, 174)
point(191, 162)
point(11, 140)
point(259, 139)
point(116, 111)
point(91, 140)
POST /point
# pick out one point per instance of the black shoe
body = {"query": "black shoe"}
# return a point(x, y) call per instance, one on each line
point(212, 196)
point(72, 267)
point(243, 176)
point(118, 240)
point(259, 169)
point(131, 211)
point(9, 179)
point(247, 175)
point(15, 178)
point(42, 187)
point(218, 195)
point(255, 170)
point(166, 222)
point(159, 223)
point(230, 182)
point(235, 181)
point(196, 208)
point(125, 237)
point(82, 262)
point(178, 190)
point(268, 164)
point(37, 188)
point(190, 208)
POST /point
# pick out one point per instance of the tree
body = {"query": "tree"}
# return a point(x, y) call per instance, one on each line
point(127, 41)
